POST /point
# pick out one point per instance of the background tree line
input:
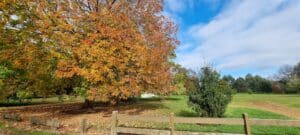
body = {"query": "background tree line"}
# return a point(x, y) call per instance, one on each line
point(249, 83)
point(287, 80)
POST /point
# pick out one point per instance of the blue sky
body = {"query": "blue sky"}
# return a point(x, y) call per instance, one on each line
point(237, 36)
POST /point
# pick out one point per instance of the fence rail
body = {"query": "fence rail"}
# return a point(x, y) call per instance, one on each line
point(85, 126)
point(163, 132)
point(245, 121)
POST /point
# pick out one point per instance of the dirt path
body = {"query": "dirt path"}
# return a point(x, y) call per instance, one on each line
point(70, 116)
point(280, 109)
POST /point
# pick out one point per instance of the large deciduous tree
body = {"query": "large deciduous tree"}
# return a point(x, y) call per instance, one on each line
point(116, 48)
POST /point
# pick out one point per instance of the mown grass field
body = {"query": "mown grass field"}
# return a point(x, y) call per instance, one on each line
point(288, 100)
point(238, 106)
point(252, 104)
point(180, 108)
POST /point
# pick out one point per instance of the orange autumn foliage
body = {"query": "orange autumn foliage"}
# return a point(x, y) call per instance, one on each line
point(120, 48)
point(23, 50)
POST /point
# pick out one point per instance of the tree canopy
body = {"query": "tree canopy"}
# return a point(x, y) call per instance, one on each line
point(109, 49)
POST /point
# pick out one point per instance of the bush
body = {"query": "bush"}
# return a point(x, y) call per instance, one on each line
point(212, 95)
point(22, 95)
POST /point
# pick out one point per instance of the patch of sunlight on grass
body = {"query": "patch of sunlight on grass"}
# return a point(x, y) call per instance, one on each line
point(236, 112)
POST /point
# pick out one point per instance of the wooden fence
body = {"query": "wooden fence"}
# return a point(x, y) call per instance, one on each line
point(54, 124)
point(247, 122)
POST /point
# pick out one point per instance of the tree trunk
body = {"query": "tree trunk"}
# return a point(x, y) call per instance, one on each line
point(88, 104)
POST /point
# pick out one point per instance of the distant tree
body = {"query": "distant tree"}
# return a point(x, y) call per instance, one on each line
point(289, 77)
point(258, 84)
point(296, 71)
point(277, 88)
point(180, 78)
point(212, 95)
point(266, 86)
point(285, 74)
point(252, 83)
point(184, 80)
point(240, 85)
point(229, 79)
point(293, 86)
point(192, 83)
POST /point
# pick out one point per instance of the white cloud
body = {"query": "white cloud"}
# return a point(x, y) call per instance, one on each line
point(252, 33)
point(177, 6)
point(173, 7)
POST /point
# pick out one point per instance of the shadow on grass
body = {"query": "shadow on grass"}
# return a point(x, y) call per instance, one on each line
point(131, 108)
point(173, 98)
point(9, 104)
point(12, 104)
point(185, 113)
point(159, 99)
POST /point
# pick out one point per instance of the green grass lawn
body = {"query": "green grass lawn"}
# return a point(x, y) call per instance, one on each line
point(178, 105)
point(257, 130)
point(235, 112)
point(289, 100)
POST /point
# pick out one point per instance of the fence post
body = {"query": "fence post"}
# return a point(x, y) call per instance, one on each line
point(172, 128)
point(83, 126)
point(246, 124)
point(114, 123)
point(98, 122)
point(54, 124)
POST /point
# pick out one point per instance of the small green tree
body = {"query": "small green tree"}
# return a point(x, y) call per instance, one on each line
point(212, 95)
